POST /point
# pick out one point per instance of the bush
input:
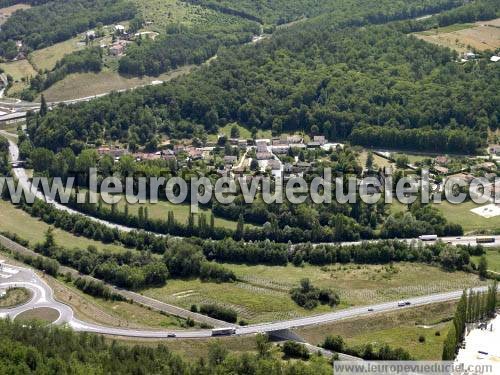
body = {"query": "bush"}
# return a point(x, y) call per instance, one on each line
point(218, 312)
point(293, 349)
point(194, 308)
point(421, 338)
point(437, 333)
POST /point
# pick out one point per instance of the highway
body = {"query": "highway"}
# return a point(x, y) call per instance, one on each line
point(43, 297)
point(20, 174)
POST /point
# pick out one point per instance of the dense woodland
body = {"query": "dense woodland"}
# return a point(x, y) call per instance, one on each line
point(316, 77)
point(58, 20)
point(182, 46)
point(284, 11)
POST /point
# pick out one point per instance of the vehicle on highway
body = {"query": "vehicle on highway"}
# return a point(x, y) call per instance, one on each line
point(407, 303)
point(370, 309)
point(171, 335)
point(403, 303)
point(428, 237)
point(223, 331)
point(485, 240)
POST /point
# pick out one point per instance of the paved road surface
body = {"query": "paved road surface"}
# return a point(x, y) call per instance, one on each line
point(43, 297)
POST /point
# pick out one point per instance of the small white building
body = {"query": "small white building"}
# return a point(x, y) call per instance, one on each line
point(120, 29)
point(495, 58)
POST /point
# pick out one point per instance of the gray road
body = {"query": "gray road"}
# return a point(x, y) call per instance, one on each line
point(43, 297)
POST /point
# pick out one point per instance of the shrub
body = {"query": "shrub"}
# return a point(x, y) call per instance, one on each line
point(293, 349)
point(218, 312)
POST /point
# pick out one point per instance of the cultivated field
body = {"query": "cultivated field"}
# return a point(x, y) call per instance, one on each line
point(262, 292)
point(481, 36)
point(80, 85)
point(397, 329)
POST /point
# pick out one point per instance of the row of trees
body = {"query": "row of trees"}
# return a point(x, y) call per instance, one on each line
point(384, 353)
point(472, 307)
point(4, 156)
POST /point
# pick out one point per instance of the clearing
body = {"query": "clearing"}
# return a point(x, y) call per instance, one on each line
point(81, 85)
point(480, 36)
point(19, 70)
point(397, 329)
point(6, 12)
point(493, 258)
point(262, 292)
point(46, 58)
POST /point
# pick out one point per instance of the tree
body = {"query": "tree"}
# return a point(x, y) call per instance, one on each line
point(263, 345)
point(43, 106)
point(235, 131)
point(483, 267)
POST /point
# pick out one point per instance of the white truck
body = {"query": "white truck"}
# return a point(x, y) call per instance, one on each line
point(428, 237)
point(223, 331)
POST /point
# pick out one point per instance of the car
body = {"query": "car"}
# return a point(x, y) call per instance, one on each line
point(171, 335)
point(401, 304)
point(407, 303)
point(370, 309)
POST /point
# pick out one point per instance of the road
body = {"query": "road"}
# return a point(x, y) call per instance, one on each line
point(20, 174)
point(43, 297)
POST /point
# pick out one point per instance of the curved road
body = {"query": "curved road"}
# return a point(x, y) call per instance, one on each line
point(43, 297)
point(20, 174)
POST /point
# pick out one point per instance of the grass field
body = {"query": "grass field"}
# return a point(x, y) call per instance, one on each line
point(80, 85)
point(378, 161)
point(17, 221)
point(397, 329)
point(481, 36)
point(461, 214)
point(46, 58)
point(18, 70)
point(493, 258)
point(111, 313)
point(43, 314)
point(15, 297)
point(262, 292)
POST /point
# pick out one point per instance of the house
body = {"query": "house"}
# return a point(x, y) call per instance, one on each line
point(179, 148)
point(441, 170)
point(195, 153)
point(264, 155)
point(229, 159)
point(319, 139)
point(469, 56)
point(120, 29)
point(282, 149)
point(313, 145)
point(261, 146)
point(299, 146)
point(112, 151)
point(117, 48)
point(441, 160)
point(274, 165)
point(294, 139)
point(488, 166)
point(466, 177)
point(302, 167)
point(168, 155)
point(242, 144)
